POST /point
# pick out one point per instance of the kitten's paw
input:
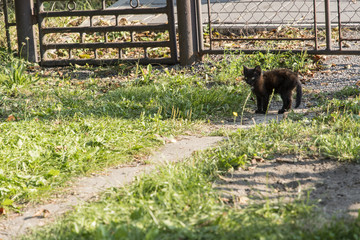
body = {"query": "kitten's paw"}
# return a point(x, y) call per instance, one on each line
point(281, 111)
point(260, 112)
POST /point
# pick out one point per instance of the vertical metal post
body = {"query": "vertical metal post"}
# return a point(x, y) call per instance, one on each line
point(315, 26)
point(199, 29)
point(339, 25)
point(209, 20)
point(7, 26)
point(187, 31)
point(24, 12)
point(172, 30)
point(328, 25)
point(40, 20)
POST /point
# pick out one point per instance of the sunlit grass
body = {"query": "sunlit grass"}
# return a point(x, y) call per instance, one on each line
point(179, 201)
point(55, 128)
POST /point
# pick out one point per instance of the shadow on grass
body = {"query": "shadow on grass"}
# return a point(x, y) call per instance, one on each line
point(191, 209)
point(333, 186)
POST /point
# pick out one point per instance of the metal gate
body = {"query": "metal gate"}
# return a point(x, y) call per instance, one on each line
point(7, 23)
point(105, 36)
point(318, 27)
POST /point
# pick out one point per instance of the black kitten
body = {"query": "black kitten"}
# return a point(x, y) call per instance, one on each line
point(281, 81)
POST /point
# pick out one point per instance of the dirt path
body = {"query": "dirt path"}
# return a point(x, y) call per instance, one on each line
point(335, 187)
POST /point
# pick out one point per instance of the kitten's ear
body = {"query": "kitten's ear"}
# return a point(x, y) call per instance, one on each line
point(257, 69)
point(245, 69)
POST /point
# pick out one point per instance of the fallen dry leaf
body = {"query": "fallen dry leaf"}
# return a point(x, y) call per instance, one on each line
point(258, 159)
point(225, 200)
point(317, 58)
point(123, 21)
point(222, 177)
point(326, 72)
point(313, 148)
point(2, 211)
point(11, 118)
point(59, 148)
point(170, 140)
point(44, 213)
point(286, 160)
point(242, 199)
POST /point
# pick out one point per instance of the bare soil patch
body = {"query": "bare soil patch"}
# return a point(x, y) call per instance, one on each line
point(333, 186)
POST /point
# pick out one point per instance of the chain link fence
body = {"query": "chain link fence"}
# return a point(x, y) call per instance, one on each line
point(280, 24)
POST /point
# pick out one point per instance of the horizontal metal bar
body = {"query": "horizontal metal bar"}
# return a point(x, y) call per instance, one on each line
point(262, 39)
point(114, 12)
point(349, 39)
point(101, 62)
point(107, 45)
point(320, 52)
point(131, 28)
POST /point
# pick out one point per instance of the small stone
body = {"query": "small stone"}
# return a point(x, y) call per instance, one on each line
point(346, 45)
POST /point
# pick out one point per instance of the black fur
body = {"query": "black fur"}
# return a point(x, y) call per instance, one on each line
point(281, 81)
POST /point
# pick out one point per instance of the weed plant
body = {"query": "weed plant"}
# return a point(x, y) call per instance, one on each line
point(13, 74)
point(230, 68)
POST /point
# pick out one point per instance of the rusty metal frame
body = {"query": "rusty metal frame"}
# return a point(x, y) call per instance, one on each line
point(329, 49)
point(169, 26)
point(7, 24)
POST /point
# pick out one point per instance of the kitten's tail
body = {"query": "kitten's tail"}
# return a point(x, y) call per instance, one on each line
point(298, 94)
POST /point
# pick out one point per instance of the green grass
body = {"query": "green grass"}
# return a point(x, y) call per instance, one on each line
point(334, 136)
point(56, 126)
point(38, 156)
point(209, 94)
point(179, 201)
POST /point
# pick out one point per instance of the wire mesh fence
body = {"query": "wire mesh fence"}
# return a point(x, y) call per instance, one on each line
point(281, 24)
point(123, 29)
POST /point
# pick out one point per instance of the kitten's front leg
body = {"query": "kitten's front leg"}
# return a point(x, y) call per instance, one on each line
point(265, 103)
point(260, 103)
